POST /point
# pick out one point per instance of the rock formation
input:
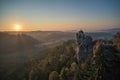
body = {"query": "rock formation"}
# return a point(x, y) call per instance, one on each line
point(84, 45)
point(98, 59)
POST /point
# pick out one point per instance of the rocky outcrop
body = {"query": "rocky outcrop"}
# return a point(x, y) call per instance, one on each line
point(98, 59)
point(84, 45)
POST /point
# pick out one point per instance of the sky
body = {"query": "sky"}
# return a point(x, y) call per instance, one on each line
point(59, 15)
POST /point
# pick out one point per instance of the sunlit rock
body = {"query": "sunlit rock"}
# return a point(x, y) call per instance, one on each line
point(84, 45)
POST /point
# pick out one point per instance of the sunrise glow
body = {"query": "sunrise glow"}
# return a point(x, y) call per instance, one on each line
point(17, 27)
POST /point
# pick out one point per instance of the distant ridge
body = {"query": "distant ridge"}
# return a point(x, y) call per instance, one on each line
point(112, 30)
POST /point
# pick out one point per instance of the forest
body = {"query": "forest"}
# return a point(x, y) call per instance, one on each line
point(60, 63)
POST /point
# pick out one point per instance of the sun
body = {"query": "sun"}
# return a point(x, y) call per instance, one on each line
point(17, 27)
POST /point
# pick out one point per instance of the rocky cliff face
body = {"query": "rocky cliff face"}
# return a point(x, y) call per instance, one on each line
point(98, 59)
point(84, 45)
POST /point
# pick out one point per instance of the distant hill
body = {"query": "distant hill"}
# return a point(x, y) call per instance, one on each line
point(11, 43)
point(104, 34)
point(112, 31)
point(52, 37)
point(100, 35)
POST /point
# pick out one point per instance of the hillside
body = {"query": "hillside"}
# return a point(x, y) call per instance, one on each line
point(12, 43)
point(61, 64)
point(16, 50)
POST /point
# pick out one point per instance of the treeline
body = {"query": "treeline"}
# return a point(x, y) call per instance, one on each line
point(54, 65)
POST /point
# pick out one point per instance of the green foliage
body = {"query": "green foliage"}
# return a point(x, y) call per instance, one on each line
point(116, 40)
point(58, 58)
point(74, 67)
point(54, 75)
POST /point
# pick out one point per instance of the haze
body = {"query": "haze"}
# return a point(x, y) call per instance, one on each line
point(59, 15)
